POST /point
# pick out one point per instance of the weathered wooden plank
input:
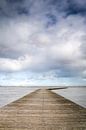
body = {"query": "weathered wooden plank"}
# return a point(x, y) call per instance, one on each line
point(43, 110)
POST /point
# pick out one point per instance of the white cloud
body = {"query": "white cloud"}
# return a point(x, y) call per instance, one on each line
point(28, 44)
point(37, 48)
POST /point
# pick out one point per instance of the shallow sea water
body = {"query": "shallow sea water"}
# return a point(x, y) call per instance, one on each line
point(75, 94)
point(10, 94)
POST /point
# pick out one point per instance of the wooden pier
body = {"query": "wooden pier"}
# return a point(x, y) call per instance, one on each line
point(42, 110)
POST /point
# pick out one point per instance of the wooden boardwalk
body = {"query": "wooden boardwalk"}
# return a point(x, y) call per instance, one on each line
point(42, 110)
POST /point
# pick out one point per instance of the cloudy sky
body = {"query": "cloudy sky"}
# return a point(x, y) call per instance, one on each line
point(42, 42)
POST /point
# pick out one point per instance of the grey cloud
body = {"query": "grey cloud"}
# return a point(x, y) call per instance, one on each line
point(35, 36)
point(10, 7)
point(83, 46)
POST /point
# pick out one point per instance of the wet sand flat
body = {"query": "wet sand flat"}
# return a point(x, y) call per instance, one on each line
point(42, 110)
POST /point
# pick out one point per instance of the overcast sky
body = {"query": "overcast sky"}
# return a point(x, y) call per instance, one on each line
point(43, 42)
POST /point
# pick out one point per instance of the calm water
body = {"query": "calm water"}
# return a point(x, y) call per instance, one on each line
point(75, 94)
point(10, 94)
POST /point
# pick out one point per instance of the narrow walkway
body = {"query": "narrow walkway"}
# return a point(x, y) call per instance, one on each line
point(42, 110)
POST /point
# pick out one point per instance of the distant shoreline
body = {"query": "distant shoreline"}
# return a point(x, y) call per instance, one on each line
point(42, 86)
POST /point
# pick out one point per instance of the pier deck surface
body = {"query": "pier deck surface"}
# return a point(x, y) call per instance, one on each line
point(42, 110)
